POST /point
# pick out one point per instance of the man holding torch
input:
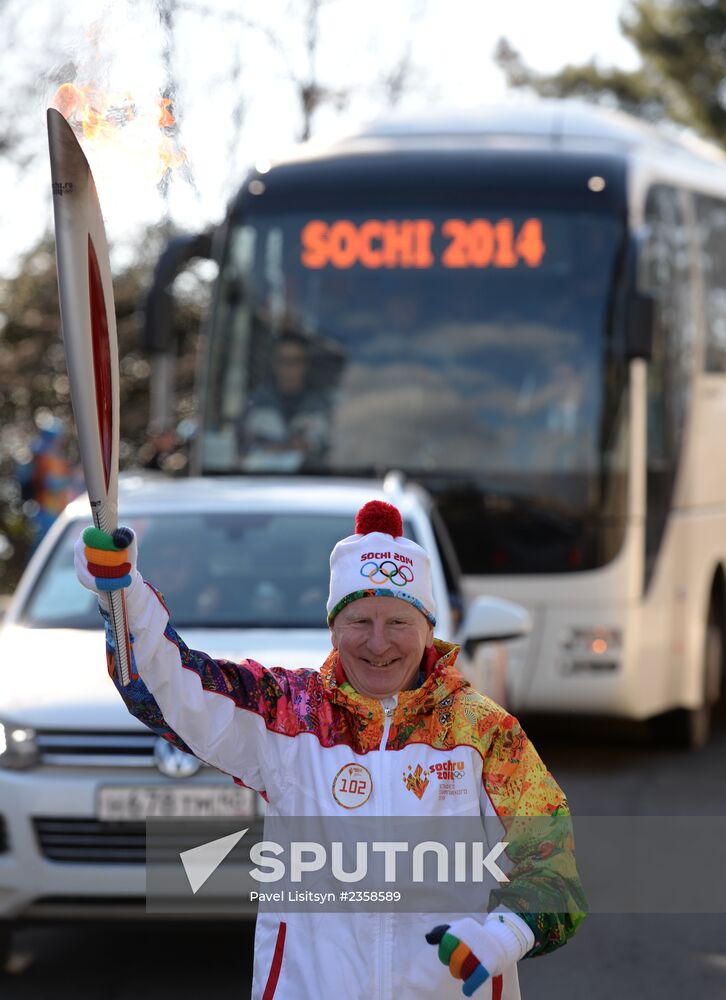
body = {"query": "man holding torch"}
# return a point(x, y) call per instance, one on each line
point(389, 695)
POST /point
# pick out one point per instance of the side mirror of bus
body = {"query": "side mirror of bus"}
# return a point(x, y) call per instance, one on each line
point(158, 335)
point(640, 321)
point(492, 619)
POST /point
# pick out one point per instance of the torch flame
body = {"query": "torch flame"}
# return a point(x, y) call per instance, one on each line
point(130, 127)
point(166, 118)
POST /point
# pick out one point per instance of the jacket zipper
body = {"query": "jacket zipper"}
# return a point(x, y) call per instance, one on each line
point(389, 706)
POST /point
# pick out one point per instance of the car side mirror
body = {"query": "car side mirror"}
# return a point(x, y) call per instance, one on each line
point(492, 619)
point(640, 322)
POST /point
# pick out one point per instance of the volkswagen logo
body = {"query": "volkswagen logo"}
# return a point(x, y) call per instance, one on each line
point(174, 763)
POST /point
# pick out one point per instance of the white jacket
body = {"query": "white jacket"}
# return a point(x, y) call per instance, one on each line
point(441, 748)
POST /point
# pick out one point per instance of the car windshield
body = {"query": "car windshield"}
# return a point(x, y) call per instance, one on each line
point(215, 570)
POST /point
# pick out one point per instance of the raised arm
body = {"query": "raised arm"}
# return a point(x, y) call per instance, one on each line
point(217, 710)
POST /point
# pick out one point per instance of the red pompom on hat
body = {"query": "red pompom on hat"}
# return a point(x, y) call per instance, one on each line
point(377, 515)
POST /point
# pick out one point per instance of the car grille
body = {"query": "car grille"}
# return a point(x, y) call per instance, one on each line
point(71, 748)
point(91, 841)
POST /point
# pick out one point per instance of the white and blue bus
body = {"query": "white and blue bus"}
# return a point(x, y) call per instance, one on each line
point(525, 312)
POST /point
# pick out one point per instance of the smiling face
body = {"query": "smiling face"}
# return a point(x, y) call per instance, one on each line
point(381, 641)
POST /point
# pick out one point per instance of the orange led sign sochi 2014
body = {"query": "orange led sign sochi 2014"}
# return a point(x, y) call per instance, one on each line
point(409, 243)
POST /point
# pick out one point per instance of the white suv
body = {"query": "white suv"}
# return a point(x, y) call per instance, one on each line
point(243, 565)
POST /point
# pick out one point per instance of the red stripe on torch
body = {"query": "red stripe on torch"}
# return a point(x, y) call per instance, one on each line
point(101, 359)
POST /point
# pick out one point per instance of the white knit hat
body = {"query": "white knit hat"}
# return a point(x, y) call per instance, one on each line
point(378, 561)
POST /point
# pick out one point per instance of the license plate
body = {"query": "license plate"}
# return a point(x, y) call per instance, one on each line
point(117, 802)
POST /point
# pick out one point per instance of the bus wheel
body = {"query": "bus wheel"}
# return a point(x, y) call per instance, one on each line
point(690, 728)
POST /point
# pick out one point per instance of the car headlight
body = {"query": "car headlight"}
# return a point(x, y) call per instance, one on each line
point(18, 748)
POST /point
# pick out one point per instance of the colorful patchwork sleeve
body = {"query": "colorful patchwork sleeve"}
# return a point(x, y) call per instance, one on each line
point(215, 709)
point(544, 887)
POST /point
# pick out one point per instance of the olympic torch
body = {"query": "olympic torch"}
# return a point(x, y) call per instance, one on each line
point(89, 334)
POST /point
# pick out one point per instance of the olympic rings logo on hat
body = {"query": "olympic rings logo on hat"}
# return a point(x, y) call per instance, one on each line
point(387, 571)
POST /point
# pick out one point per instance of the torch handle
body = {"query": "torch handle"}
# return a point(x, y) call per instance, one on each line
point(120, 629)
point(104, 517)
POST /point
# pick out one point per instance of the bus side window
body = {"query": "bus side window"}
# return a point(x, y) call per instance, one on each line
point(666, 273)
point(712, 259)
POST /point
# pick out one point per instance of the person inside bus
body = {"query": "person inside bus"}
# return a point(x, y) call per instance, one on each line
point(285, 425)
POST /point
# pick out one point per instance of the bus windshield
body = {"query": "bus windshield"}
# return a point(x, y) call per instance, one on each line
point(470, 349)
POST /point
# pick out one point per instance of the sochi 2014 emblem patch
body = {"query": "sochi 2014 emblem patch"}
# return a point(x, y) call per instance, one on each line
point(352, 786)
point(416, 780)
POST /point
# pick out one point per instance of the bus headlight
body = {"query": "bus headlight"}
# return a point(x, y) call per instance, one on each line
point(591, 650)
point(18, 748)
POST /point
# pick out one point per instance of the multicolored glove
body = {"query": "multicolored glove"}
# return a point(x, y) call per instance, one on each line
point(106, 562)
point(474, 951)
